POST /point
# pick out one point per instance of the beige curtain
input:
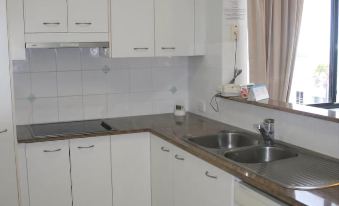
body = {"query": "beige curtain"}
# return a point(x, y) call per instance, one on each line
point(274, 27)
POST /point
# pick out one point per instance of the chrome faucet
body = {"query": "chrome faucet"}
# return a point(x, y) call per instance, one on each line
point(266, 129)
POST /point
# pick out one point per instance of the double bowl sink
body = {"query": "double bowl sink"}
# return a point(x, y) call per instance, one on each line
point(242, 147)
point(287, 165)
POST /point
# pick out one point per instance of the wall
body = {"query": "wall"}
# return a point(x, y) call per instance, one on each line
point(74, 84)
point(205, 77)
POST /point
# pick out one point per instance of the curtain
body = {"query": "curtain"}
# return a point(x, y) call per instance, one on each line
point(273, 30)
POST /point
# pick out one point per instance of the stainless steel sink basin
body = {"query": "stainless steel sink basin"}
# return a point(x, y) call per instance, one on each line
point(260, 154)
point(225, 140)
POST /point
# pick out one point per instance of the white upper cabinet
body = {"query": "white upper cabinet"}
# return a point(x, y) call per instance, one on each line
point(174, 27)
point(88, 15)
point(45, 16)
point(66, 16)
point(91, 171)
point(132, 25)
point(48, 172)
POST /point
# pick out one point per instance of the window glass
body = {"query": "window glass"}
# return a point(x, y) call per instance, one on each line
point(310, 83)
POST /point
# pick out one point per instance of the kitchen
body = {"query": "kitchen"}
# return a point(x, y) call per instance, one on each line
point(89, 90)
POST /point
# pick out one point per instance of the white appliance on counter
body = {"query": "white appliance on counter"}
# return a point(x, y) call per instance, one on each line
point(245, 195)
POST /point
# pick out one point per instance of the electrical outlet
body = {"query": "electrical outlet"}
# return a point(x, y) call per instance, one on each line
point(235, 31)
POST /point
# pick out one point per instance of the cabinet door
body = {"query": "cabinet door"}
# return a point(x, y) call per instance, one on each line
point(183, 187)
point(91, 171)
point(131, 169)
point(8, 177)
point(213, 186)
point(45, 16)
point(88, 15)
point(161, 170)
point(132, 28)
point(22, 175)
point(246, 195)
point(48, 171)
point(174, 27)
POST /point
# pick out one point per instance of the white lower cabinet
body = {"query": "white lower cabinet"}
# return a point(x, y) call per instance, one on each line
point(181, 179)
point(245, 195)
point(91, 171)
point(162, 172)
point(131, 173)
point(184, 176)
point(48, 172)
point(125, 170)
point(214, 186)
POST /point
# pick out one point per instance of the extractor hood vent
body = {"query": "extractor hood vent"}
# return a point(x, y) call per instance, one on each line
point(68, 45)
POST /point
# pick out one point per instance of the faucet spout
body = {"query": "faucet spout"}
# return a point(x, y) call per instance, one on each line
point(266, 130)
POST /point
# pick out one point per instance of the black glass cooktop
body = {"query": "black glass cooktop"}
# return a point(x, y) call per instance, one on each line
point(70, 128)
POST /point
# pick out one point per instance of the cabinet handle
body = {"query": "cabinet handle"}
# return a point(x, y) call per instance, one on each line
point(56, 150)
point(165, 149)
point(140, 48)
point(168, 48)
point(210, 176)
point(51, 23)
point(179, 158)
point(4, 131)
point(83, 23)
point(86, 147)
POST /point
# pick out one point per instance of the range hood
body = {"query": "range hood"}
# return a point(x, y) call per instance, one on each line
point(68, 45)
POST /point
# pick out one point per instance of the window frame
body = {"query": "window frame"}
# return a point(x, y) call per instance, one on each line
point(333, 67)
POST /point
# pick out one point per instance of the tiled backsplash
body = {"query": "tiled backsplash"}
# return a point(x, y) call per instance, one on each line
point(74, 84)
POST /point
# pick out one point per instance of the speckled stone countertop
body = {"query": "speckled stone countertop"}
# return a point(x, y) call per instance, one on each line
point(173, 129)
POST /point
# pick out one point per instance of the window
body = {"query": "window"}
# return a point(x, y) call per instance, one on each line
point(315, 73)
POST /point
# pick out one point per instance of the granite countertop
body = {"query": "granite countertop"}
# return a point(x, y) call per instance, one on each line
point(173, 129)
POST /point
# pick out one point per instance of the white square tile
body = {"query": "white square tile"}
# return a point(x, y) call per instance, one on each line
point(140, 62)
point(180, 62)
point(118, 81)
point(22, 85)
point(141, 80)
point(23, 112)
point(44, 84)
point(42, 60)
point(120, 63)
point(94, 82)
point(68, 59)
point(162, 62)
point(140, 104)
point(45, 110)
point(162, 79)
point(91, 60)
point(163, 106)
point(117, 105)
point(95, 107)
point(21, 65)
point(70, 108)
point(69, 83)
point(180, 78)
